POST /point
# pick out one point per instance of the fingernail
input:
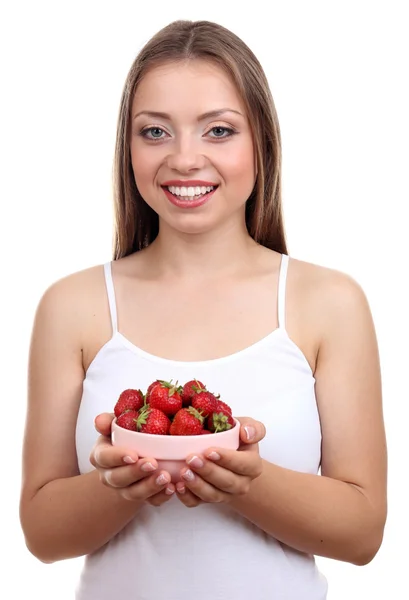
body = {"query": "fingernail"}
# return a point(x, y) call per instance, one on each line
point(148, 467)
point(169, 491)
point(124, 494)
point(196, 462)
point(129, 460)
point(108, 477)
point(181, 489)
point(250, 432)
point(213, 455)
point(97, 455)
point(162, 479)
point(188, 475)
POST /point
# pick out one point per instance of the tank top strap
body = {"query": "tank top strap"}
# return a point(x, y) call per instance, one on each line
point(282, 281)
point(111, 295)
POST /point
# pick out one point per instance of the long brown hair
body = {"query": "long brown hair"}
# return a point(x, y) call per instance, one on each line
point(136, 224)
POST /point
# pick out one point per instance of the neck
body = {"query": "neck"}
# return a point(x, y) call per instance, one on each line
point(211, 254)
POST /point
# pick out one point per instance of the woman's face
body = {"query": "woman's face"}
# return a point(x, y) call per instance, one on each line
point(190, 133)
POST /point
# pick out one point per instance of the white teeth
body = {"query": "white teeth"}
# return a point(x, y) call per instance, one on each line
point(189, 191)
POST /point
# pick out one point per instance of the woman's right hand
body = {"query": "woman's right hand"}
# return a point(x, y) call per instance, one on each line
point(134, 478)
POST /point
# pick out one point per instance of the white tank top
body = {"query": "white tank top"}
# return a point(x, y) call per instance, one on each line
point(208, 552)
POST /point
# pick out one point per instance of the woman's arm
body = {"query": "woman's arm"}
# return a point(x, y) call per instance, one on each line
point(63, 514)
point(340, 514)
point(73, 516)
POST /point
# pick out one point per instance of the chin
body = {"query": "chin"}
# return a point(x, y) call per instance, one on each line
point(193, 224)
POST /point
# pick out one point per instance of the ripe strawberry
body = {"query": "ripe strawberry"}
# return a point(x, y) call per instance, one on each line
point(128, 420)
point(219, 421)
point(152, 420)
point(222, 406)
point(166, 397)
point(150, 389)
point(190, 389)
point(129, 400)
point(205, 431)
point(205, 403)
point(187, 421)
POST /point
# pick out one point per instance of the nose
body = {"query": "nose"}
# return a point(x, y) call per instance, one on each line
point(185, 156)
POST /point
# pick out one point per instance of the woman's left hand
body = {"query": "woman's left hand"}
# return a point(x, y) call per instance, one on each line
point(218, 475)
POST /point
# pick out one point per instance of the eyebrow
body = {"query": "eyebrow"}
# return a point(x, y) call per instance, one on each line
point(203, 117)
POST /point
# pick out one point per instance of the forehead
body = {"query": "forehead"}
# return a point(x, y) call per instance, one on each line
point(199, 84)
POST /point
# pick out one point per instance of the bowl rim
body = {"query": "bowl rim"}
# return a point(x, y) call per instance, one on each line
point(154, 436)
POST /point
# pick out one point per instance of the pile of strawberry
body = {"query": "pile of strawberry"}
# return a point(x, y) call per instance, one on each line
point(171, 409)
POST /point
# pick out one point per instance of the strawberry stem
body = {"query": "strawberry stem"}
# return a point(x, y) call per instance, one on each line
point(143, 417)
point(166, 384)
point(196, 414)
point(198, 388)
point(220, 422)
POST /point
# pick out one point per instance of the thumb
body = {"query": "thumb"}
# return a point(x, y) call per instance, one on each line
point(103, 423)
point(251, 431)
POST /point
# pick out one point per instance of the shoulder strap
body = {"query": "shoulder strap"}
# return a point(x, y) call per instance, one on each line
point(282, 280)
point(111, 295)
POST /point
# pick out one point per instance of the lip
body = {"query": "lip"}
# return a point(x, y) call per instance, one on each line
point(188, 183)
point(188, 204)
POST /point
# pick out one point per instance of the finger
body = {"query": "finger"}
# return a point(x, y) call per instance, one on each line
point(186, 496)
point(123, 476)
point(103, 423)
point(147, 487)
point(105, 455)
point(251, 431)
point(162, 496)
point(201, 488)
point(253, 448)
point(220, 462)
point(219, 478)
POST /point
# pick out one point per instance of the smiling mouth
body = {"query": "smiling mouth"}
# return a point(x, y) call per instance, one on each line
point(190, 193)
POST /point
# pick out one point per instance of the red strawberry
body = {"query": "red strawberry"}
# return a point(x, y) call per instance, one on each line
point(152, 420)
point(129, 400)
point(222, 406)
point(128, 420)
point(220, 421)
point(166, 397)
point(152, 386)
point(187, 421)
point(190, 389)
point(205, 403)
point(205, 431)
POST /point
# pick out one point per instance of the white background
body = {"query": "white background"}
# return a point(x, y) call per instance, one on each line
point(338, 72)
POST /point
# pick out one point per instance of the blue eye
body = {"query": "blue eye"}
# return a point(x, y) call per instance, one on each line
point(221, 129)
point(157, 133)
point(154, 133)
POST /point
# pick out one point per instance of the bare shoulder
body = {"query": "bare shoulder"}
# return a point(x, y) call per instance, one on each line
point(321, 279)
point(74, 285)
point(348, 382)
point(73, 299)
point(55, 378)
point(328, 294)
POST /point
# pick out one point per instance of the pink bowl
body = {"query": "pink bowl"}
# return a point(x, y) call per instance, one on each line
point(171, 451)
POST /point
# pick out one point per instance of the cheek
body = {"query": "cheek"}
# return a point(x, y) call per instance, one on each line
point(239, 168)
point(144, 165)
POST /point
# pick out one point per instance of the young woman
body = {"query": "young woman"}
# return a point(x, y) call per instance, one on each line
point(202, 286)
